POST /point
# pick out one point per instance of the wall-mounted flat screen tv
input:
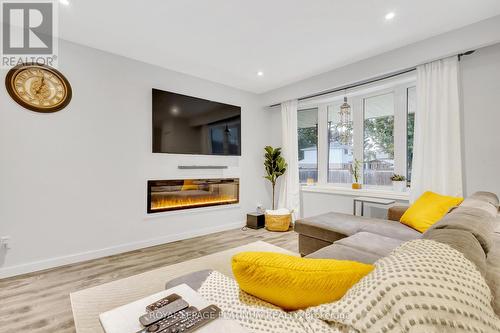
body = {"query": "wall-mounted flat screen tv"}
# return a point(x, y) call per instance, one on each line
point(189, 125)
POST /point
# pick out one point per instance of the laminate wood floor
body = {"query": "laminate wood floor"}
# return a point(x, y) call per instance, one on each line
point(39, 302)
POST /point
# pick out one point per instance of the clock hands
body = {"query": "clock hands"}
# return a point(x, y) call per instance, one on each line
point(41, 85)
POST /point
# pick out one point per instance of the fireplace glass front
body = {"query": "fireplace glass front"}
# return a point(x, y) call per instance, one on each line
point(168, 195)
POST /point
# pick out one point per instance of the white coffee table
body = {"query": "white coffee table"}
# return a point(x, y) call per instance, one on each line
point(125, 319)
point(363, 200)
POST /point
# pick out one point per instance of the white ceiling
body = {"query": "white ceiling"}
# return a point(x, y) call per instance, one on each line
point(229, 41)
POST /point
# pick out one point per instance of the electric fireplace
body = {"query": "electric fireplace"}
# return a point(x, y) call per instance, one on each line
point(169, 195)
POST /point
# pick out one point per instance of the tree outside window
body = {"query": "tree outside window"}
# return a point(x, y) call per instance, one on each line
point(307, 132)
point(380, 134)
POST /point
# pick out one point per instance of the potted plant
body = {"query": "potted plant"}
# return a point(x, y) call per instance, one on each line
point(398, 182)
point(355, 170)
point(275, 166)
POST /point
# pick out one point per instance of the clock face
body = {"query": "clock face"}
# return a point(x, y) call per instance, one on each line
point(38, 87)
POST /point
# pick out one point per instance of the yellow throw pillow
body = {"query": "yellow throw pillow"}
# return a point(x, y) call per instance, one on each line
point(429, 208)
point(295, 283)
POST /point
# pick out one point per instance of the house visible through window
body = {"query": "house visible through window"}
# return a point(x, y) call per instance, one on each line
point(380, 135)
point(307, 121)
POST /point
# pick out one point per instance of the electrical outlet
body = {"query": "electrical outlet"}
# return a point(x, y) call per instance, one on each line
point(4, 242)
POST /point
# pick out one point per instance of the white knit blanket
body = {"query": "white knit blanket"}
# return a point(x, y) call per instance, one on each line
point(422, 286)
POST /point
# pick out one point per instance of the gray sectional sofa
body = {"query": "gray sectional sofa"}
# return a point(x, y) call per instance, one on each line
point(472, 228)
point(337, 234)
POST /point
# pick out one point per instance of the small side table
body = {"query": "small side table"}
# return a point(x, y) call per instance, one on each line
point(362, 200)
point(256, 220)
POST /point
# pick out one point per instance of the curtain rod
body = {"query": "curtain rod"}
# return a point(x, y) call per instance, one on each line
point(368, 81)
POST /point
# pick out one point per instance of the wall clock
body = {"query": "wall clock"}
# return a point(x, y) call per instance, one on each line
point(38, 87)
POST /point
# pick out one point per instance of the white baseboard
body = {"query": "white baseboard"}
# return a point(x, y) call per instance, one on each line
point(95, 254)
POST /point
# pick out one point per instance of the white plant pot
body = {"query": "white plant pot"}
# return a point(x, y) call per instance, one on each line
point(399, 186)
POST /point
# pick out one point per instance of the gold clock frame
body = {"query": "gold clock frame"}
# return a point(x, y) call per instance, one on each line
point(9, 84)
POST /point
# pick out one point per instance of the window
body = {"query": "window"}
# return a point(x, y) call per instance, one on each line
point(307, 121)
point(340, 148)
point(380, 135)
point(378, 141)
point(410, 129)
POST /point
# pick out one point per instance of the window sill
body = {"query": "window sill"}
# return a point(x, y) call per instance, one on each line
point(365, 192)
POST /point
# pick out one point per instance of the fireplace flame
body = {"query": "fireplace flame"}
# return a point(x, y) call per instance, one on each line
point(167, 203)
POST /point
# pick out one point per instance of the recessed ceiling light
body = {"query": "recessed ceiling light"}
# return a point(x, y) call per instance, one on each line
point(64, 2)
point(389, 16)
point(260, 73)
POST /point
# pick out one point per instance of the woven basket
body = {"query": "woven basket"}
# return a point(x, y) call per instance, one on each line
point(278, 222)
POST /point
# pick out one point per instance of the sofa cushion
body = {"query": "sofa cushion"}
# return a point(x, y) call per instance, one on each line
point(391, 229)
point(292, 282)
point(480, 204)
point(493, 267)
point(463, 241)
point(394, 213)
point(330, 226)
point(334, 226)
point(493, 273)
point(492, 198)
point(486, 201)
point(342, 252)
point(372, 243)
point(476, 221)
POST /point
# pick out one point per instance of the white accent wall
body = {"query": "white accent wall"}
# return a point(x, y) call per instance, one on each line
point(481, 120)
point(73, 183)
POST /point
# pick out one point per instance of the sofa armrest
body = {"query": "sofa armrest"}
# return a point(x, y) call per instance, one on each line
point(395, 212)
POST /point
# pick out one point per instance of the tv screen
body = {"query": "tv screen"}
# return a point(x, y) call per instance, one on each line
point(189, 125)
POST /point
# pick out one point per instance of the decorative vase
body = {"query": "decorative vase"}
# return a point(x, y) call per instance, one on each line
point(399, 186)
point(356, 186)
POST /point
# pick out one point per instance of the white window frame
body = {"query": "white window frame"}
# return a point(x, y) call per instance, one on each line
point(356, 100)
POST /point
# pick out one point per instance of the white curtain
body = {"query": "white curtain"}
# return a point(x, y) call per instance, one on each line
point(437, 161)
point(290, 187)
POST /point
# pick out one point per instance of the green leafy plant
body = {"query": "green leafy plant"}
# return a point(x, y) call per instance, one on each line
point(398, 178)
point(275, 166)
point(355, 170)
point(308, 137)
point(379, 137)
